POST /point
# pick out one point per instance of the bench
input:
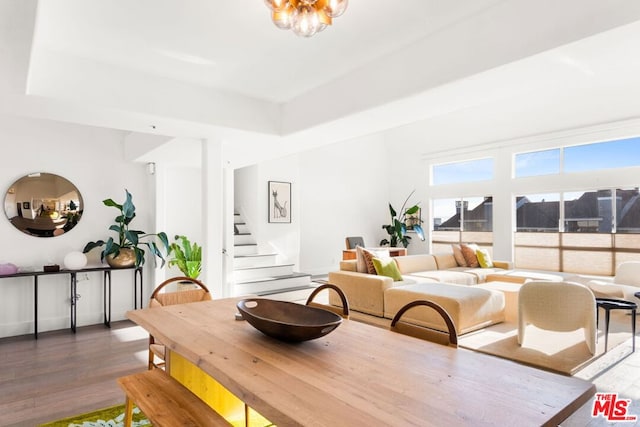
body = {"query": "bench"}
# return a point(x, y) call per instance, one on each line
point(166, 402)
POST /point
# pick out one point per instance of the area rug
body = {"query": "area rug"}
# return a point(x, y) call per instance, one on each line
point(562, 352)
point(107, 417)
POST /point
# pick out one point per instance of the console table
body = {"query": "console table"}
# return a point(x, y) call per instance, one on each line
point(351, 253)
point(73, 281)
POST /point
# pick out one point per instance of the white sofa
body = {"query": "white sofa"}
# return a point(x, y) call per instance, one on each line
point(435, 277)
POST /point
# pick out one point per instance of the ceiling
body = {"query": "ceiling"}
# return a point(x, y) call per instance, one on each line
point(467, 71)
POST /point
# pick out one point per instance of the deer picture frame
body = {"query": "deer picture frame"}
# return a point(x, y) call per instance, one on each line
point(279, 197)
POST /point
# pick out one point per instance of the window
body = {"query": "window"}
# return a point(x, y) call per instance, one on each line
point(538, 212)
point(469, 214)
point(470, 171)
point(462, 220)
point(537, 163)
point(602, 155)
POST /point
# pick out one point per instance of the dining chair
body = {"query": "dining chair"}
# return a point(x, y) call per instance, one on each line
point(342, 311)
point(159, 299)
point(449, 338)
point(352, 242)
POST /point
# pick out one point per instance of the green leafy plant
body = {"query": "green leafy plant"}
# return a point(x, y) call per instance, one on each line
point(128, 238)
point(187, 256)
point(397, 230)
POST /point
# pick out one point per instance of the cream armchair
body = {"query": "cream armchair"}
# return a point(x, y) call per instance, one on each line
point(557, 306)
point(625, 283)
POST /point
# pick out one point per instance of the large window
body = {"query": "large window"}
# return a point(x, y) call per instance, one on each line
point(587, 232)
point(538, 163)
point(579, 158)
point(464, 220)
point(471, 171)
point(602, 155)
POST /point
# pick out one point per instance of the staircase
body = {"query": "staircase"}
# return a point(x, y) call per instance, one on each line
point(259, 273)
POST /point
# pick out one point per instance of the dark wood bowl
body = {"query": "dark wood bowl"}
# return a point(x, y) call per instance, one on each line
point(288, 321)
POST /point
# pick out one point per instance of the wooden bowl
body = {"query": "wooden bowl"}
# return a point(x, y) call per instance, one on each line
point(288, 321)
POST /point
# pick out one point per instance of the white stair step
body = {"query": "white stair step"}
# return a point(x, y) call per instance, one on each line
point(245, 249)
point(243, 239)
point(254, 260)
point(241, 228)
point(298, 294)
point(258, 287)
point(264, 272)
point(237, 219)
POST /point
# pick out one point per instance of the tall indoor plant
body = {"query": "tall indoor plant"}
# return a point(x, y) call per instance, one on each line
point(187, 257)
point(397, 230)
point(129, 242)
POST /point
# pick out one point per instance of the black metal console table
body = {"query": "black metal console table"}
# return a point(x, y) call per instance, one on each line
point(73, 281)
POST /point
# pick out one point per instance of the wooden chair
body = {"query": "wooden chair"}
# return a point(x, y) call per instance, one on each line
point(450, 338)
point(159, 299)
point(342, 311)
point(352, 242)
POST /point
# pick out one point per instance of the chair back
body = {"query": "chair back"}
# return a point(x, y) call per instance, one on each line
point(428, 334)
point(556, 306)
point(180, 297)
point(628, 273)
point(352, 242)
point(342, 311)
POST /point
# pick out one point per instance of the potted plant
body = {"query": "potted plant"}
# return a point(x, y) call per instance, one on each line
point(397, 230)
point(127, 250)
point(187, 256)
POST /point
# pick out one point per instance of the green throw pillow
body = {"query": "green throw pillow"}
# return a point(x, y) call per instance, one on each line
point(484, 258)
point(387, 267)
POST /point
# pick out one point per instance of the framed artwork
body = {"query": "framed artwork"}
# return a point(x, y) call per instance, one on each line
point(279, 201)
point(26, 205)
point(413, 219)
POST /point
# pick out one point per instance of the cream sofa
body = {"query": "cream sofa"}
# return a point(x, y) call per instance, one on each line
point(426, 276)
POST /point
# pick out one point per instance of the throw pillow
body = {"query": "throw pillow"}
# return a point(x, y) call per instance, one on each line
point(457, 254)
point(387, 267)
point(370, 254)
point(484, 259)
point(469, 253)
point(361, 262)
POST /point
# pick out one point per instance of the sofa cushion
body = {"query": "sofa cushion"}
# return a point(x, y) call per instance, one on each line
point(348, 265)
point(387, 267)
point(448, 276)
point(484, 258)
point(368, 255)
point(457, 254)
point(470, 308)
point(469, 253)
point(410, 263)
point(480, 273)
point(445, 261)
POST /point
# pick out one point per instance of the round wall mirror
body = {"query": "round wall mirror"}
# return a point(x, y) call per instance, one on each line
point(43, 205)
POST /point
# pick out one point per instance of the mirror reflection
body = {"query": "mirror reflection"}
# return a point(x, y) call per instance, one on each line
point(43, 205)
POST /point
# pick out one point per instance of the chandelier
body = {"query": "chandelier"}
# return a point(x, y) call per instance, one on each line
point(305, 17)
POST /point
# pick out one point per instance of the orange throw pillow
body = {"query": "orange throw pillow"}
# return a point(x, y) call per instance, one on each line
point(469, 253)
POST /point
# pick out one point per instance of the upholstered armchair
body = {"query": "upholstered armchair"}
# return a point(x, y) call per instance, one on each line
point(624, 284)
point(557, 306)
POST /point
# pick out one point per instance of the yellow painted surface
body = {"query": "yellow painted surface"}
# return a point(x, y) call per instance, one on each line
point(213, 393)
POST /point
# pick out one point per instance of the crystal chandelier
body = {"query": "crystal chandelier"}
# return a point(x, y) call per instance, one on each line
point(305, 17)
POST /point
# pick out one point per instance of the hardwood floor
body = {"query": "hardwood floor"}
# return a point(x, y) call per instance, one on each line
point(62, 374)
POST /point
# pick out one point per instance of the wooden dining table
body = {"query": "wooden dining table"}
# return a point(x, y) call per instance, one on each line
point(360, 374)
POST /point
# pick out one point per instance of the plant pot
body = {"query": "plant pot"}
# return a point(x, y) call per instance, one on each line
point(125, 259)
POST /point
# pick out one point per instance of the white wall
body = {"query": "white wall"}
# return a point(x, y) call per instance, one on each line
point(251, 200)
point(344, 191)
point(179, 206)
point(91, 158)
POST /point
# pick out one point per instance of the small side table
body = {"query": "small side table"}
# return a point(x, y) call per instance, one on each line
point(609, 304)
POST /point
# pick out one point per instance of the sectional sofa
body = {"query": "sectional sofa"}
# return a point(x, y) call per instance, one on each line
point(435, 277)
